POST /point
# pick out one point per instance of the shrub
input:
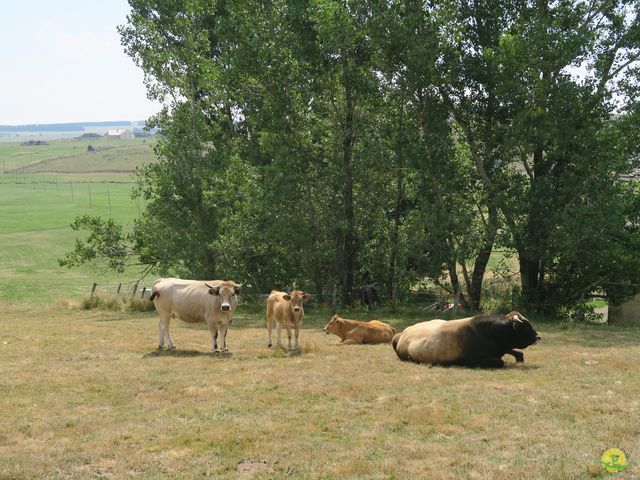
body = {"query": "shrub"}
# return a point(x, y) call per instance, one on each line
point(98, 303)
point(140, 305)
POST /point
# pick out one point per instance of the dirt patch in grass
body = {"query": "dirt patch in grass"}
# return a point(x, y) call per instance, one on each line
point(249, 467)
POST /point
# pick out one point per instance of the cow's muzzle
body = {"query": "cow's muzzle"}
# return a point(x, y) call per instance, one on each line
point(296, 309)
point(225, 307)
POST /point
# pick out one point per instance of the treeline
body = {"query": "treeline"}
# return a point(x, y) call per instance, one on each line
point(59, 127)
point(334, 144)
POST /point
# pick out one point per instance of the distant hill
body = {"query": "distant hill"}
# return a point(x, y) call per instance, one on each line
point(64, 127)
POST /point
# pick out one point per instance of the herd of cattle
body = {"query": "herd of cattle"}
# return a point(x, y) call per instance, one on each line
point(479, 341)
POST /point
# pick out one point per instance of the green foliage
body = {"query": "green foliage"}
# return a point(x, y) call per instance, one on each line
point(326, 144)
point(106, 242)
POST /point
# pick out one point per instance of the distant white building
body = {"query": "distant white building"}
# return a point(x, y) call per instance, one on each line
point(121, 134)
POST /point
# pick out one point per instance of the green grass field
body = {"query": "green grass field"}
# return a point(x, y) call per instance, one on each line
point(71, 156)
point(43, 189)
point(85, 395)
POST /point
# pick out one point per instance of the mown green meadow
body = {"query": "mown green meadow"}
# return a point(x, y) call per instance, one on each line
point(43, 189)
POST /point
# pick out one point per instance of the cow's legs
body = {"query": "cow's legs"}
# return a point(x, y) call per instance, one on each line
point(297, 334)
point(487, 362)
point(163, 331)
point(160, 335)
point(213, 332)
point(223, 338)
point(519, 356)
point(269, 328)
point(279, 332)
point(288, 333)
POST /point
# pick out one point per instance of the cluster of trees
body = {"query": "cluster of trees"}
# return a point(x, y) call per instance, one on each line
point(335, 143)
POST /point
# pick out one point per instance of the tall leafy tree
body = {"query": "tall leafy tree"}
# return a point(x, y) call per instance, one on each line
point(330, 144)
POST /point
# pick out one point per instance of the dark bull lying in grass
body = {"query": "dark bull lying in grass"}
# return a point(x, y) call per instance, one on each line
point(196, 301)
point(479, 341)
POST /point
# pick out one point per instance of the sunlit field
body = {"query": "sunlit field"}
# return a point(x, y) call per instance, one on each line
point(43, 189)
point(87, 395)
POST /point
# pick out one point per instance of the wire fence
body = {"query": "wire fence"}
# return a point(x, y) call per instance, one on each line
point(436, 299)
point(498, 294)
point(101, 194)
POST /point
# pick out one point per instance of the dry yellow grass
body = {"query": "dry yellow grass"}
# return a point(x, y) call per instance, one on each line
point(84, 395)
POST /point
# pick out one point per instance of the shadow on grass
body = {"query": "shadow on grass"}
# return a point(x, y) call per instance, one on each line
point(185, 354)
point(512, 366)
point(519, 366)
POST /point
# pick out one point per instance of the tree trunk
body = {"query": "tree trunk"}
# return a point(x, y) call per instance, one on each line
point(316, 270)
point(530, 253)
point(532, 247)
point(395, 229)
point(482, 259)
point(349, 251)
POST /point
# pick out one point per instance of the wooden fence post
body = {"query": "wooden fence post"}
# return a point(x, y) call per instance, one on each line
point(93, 289)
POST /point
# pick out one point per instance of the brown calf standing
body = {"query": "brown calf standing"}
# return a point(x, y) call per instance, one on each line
point(287, 309)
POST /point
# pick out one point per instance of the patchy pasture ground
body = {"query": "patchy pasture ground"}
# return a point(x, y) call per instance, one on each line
point(85, 395)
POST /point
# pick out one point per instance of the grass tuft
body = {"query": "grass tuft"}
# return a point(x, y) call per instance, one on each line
point(138, 305)
point(99, 303)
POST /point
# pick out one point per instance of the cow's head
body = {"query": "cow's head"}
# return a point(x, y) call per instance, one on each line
point(523, 333)
point(297, 298)
point(228, 292)
point(334, 325)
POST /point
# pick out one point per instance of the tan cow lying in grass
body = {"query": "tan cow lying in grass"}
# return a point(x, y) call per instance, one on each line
point(194, 301)
point(286, 309)
point(356, 332)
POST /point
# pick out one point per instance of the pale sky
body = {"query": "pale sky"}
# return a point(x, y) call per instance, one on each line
point(62, 61)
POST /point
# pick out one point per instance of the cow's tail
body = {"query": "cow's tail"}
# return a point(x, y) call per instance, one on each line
point(154, 292)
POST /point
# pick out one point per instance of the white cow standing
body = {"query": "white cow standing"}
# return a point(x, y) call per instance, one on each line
point(193, 301)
